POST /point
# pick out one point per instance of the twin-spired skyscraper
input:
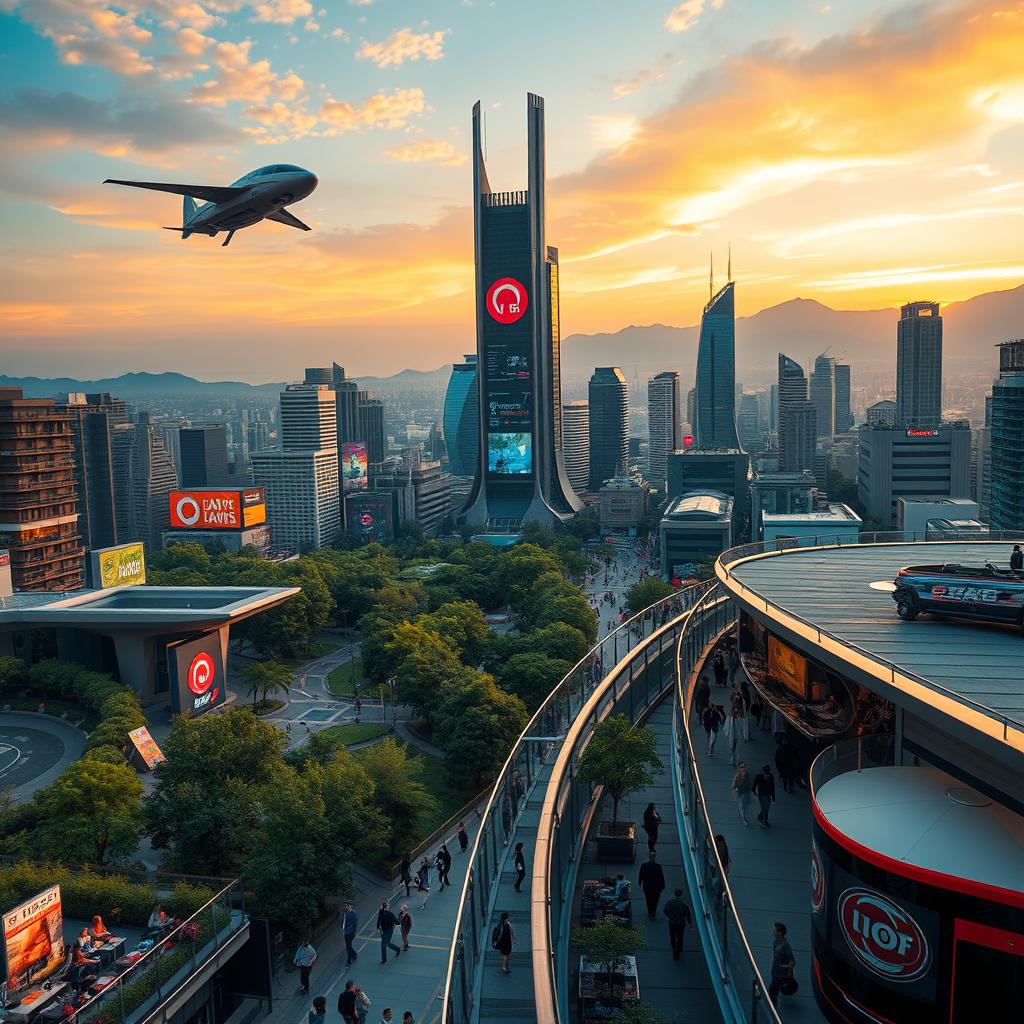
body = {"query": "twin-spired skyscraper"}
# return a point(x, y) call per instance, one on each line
point(714, 423)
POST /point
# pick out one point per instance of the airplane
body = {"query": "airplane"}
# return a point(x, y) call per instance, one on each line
point(259, 195)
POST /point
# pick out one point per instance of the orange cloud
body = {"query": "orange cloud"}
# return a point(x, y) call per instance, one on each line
point(402, 46)
point(388, 110)
point(427, 151)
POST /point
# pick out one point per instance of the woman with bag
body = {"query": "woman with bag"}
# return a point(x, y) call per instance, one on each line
point(503, 939)
point(741, 787)
point(423, 882)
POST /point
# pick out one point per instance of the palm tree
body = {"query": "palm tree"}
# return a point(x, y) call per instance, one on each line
point(265, 677)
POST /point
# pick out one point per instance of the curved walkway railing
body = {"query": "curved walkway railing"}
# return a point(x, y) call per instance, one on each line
point(734, 556)
point(742, 991)
point(530, 758)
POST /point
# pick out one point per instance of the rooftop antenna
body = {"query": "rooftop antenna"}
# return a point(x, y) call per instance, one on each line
point(728, 272)
point(711, 279)
point(485, 134)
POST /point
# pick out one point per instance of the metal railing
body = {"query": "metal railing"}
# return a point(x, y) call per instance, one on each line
point(725, 942)
point(184, 948)
point(876, 750)
point(728, 560)
point(515, 782)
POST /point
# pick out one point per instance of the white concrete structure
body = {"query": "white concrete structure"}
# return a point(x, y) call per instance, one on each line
point(303, 507)
point(920, 518)
point(840, 521)
point(576, 443)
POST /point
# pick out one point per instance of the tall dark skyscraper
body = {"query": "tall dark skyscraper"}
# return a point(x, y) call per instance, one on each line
point(1006, 433)
point(798, 436)
point(371, 425)
point(665, 430)
point(714, 425)
point(919, 365)
point(843, 416)
point(609, 425)
point(462, 418)
point(520, 473)
point(823, 394)
point(204, 456)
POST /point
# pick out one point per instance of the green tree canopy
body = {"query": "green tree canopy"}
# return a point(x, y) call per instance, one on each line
point(462, 624)
point(266, 677)
point(399, 795)
point(422, 662)
point(620, 758)
point(643, 594)
point(531, 676)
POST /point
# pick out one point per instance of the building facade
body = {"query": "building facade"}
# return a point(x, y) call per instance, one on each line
point(695, 528)
point(204, 456)
point(798, 437)
point(623, 504)
point(1006, 442)
point(308, 417)
point(461, 418)
point(843, 420)
point(303, 500)
point(609, 425)
point(835, 524)
point(371, 423)
point(576, 444)
point(714, 413)
point(665, 427)
point(919, 365)
point(823, 395)
point(882, 414)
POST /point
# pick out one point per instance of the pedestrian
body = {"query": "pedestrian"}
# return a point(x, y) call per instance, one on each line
point(764, 789)
point(701, 696)
point(787, 764)
point(734, 664)
point(741, 786)
point(678, 914)
point(362, 1000)
point(386, 924)
point(722, 849)
point(652, 819)
point(463, 839)
point(503, 939)
point(405, 923)
point(318, 1015)
point(517, 785)
point(778, 725)
point(651, 879)
point(305, 957)
point(1017, 558)
point(745, 699)
point(783, 963)
point(506, 816)
point(359, 709)
point(349, 927)
point(712, 722)
point(444, 865)
point(387, 1016)
point(423, 883)
point(407, 1017)
point(733, 727)
point(718, 667)
point(348, 1005)
point(520, 862)
point(407, 872)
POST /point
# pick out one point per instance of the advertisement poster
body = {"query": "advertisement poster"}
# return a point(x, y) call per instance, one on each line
point(509, 454)
point(146, 746)
point(354, 466)
point(785, 665)
point(34, 938)
point(254, 507)
point(6, 580)
point(206, 510)
point(369, 519)
point(121, 566)
point(196, 672)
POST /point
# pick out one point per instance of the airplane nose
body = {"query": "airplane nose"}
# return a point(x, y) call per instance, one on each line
point(312, 180)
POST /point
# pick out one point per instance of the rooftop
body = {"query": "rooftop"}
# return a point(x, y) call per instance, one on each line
point(834, 514)
point(709, 505)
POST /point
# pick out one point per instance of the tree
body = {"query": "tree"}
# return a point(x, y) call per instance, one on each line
point(399, 795)
point(621, 759)
point(263, 677)
point(422, 662)
point(557, 640)
point(608, 944)
point(463, 625)
point(350, 795)
point(92, 809)
point(522, 567)
point(643, 594)
point(12, 672)
point(531, 676)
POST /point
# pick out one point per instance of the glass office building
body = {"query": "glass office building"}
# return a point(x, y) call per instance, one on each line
point(715, 405)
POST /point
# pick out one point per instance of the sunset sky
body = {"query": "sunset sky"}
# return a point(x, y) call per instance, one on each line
point(859, 152)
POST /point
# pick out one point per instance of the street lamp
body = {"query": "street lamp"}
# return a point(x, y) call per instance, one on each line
point(394, 711)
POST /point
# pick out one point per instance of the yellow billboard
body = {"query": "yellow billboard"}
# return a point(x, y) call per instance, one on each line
point(123, 566)
point(788, 667)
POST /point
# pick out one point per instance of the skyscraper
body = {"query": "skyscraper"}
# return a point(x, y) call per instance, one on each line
point(792, 390)
point(1006, 469)
point(144, 475)
point(714, 423)
point(798, 437)
point(308, 418)
point(520, 472)
point(371, 425)
point(462, 418)
point(346, 398)
point(665, 429)
point(843, 417)
point(823, 394)
point(38, 506)
point(204, 456)
point(748, 422)
point(919, 365)
point(576, 443)
point(609, 425)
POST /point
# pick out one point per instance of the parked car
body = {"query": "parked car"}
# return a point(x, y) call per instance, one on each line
point(972, 591)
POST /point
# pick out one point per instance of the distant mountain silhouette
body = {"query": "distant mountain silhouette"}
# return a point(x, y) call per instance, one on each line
point(802, 328)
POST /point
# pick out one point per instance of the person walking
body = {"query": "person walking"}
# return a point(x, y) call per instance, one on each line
point(733, 726)
point(651, 879)
point(405, 923)
point(503, 939)
point(318, 1014)
point(423, 882)
point(362, 1001)
point(1017, 558)
point(305, 957)
point(386, 924)
point(652, 819)
point(387, 1017)
point(520, 863)
point(348, 1005)
point(463, 839)
point(718, 667)
point(741, 786)
point(787, 764)
point(406, 873)
point(678, 914)
point(744, 688)
point(783, 963)
point(701, 697)
point(506, 816)
point(712, 722)
point(763, 788)
point(444, 865)
point(722, 848)
point(778, 726)
point(734, 664)
point(407, 1017)
point(349, 928)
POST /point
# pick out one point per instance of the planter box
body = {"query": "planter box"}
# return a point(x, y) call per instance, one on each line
point(616, 842)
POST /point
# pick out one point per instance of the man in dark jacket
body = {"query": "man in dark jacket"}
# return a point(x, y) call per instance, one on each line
point(652, 880)
point(1017, 558)
point(444, 865)
point(386, 925)
point(348, 1005)
point(678, 914)
point(764, 789)
point(787, 763)
point(701, 696)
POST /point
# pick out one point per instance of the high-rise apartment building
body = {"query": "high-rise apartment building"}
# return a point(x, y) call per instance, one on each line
point(919, 365)
point(823, 395)
point(609, 425)
point(346, 399)
point(520, 472)
point(204, 456)
point(748, 422)
point(371, 424)
point(576, 443)
point(1006, 469)
point(798, 438)
point(308, 419)
point(462, 418)
point(144, 476)
point(843, 415)
point(665, 428)
point(38, 506)
point(792, 390)
point(714, 423)
point(882, 413)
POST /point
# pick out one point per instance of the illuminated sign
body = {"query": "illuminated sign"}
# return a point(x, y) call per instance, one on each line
point(369, 518)
point(354, 466)
point(201, 673)
point(883, 936)
point(687, 440)
point(788, 667)
point(6, 580)
point(146, 746)
point(509, 454)
point(196, 673)
point(918, 432)
point(506, 300)
point(34, 938)
point(121, 566)
point(217, 510)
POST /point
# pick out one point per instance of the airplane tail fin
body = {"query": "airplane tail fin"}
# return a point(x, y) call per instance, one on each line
point(188, 211)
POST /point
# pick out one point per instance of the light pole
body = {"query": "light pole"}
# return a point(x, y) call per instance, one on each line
point(394, 710)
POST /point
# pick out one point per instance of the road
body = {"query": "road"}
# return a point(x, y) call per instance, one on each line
point(622, 574)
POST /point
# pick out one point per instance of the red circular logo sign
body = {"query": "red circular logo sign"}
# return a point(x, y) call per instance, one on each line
point(366, 519)
point(817, 879)
point(883, 936)
point(200, 673)
point(187, 510)
point(506, 300)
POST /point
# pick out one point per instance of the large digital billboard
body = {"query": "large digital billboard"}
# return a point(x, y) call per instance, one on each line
point(199, 509)
point(34, 938)
point(254, 507)
point(788, 667)
point(196, 672)
point(369, 518)
point(509, 454)
point(354, 466)
point(120, 566)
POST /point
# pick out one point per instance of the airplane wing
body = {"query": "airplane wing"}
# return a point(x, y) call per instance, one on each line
point(207, 193)
point(284, 217)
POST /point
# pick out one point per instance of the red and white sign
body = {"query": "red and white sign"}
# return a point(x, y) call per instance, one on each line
point(883, 936)
point(206, 510)
point(366, 519)
point(506, 300)
point(200, 673)
point(817, 880)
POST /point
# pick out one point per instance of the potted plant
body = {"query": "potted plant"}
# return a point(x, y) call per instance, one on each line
point(622, 760)
point(607, 945)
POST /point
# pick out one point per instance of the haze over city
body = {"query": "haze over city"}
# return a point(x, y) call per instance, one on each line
point(859, 154)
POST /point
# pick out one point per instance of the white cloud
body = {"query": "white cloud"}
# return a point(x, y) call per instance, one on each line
point(427, 151)
point(403, 45)
point(281, 12)
point(239, 78)
point(383, 110)
point(686, 14)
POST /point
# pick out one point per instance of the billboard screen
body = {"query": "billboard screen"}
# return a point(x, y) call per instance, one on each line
point(120, 566)
point(146, 747)
point(206, 510)
point(196, 672)
point(254, 507)
point(6, 580)
point(369, 518)
point(354, 466)
point(509, 454)
point(788, 667)
point(34, 938)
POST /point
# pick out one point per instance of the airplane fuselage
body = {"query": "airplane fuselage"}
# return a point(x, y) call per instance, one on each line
point(266, 193)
